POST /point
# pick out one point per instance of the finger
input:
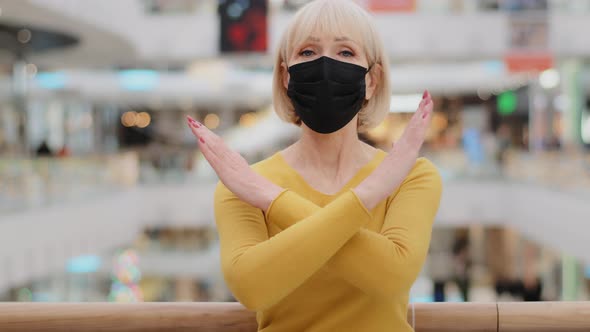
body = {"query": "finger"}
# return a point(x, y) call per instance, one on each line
point(211, 143)
point(210, 154)
point(426, 98)
point(427, 109)
point(212, 147)
point(196, 129)
point(205, 149)
point(203, 132)
point(209, 139)
point(418, 114)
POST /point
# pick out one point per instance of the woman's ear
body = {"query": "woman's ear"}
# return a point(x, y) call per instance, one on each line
point(372, 80)
point(285, 75)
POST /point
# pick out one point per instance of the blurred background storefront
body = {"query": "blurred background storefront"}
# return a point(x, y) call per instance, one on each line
point(104, 195)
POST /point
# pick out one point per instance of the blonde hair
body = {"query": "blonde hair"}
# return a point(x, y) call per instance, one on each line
point(338, 18)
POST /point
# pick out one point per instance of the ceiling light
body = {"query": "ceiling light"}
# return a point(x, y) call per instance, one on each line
point(23, 36)
point(549, 79)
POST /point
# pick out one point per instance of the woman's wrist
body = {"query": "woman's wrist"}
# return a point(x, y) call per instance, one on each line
point(266, 193)
point(366, 195)
point(386, 178)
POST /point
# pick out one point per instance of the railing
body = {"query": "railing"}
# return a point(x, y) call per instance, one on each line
point(232, 317)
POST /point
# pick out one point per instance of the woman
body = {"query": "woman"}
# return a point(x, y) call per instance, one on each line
point(330, 233)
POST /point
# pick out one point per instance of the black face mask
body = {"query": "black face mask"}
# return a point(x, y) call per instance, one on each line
point(326, 93)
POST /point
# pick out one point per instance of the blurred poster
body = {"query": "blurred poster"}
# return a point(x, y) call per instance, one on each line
point(391, 5)
point(170, 6)
point(522, 5)
point(243, 25)
point(518, 62)
point(528, 36)
point(529, 32)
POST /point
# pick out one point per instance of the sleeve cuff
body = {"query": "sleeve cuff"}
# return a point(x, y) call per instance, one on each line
point(361, 204)
point(271, 207)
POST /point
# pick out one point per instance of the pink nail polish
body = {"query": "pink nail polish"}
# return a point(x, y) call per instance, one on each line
point(201, 139)
point(425, 94)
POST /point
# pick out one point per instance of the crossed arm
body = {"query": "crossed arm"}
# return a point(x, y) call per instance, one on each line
point(261, 271)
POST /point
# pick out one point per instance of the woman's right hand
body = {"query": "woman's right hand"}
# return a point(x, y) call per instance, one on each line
point(400, 160)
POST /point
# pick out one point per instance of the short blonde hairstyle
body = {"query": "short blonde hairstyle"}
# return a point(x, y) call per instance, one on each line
point(338, 18)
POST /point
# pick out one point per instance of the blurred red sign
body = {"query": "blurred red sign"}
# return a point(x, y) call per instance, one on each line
point(391, 5)
point(528, 62)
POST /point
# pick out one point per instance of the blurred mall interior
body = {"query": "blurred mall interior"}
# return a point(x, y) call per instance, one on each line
point(104, 195)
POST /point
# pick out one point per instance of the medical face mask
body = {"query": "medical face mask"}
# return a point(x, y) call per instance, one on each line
point(326, 93)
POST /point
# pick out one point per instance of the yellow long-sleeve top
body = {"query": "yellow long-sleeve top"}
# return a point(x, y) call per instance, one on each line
point(318, 262)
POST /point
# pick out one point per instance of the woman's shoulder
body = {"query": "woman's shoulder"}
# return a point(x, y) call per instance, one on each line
point(424, 176)
point(270, 166)
point(266, 167)
point(425, 170)
point(423, 167)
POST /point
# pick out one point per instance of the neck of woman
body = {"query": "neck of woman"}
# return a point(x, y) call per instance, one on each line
point(335, 153)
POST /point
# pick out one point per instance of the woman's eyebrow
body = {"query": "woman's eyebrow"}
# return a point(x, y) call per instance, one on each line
point(345, 39)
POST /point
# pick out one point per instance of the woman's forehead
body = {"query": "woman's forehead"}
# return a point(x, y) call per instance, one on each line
point(328, 37)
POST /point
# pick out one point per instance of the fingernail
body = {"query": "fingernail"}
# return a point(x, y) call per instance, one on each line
point(425, 94)
point(198, 124)
point(201, 139)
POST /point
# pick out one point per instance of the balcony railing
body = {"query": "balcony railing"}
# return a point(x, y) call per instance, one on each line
point(232, 317)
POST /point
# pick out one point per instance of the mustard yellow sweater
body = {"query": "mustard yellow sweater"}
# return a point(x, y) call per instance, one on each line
point(318, 262)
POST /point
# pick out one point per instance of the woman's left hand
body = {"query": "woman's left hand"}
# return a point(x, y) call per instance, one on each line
point(233, 170)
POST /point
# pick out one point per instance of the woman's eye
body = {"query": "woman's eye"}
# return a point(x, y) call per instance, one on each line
point(346, 54)
point(306, 53)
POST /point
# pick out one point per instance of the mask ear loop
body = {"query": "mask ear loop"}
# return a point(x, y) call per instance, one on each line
point(358, 119)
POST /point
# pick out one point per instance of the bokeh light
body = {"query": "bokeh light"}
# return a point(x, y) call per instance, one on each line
point(143, 120)
point(129, 119)
point(248, 119)
point(211, 121)
point(23, 36)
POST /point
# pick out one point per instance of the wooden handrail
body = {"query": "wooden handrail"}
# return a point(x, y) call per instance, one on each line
point(544, 316)
point(232, 317)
